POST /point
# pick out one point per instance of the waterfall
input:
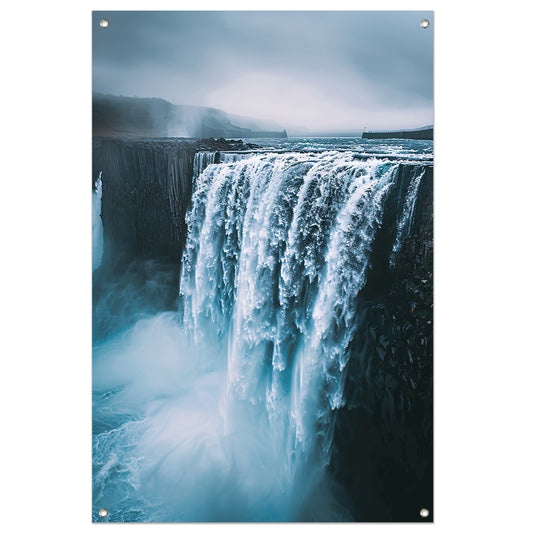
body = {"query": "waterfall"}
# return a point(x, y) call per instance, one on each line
point(97, 228)
point(406, 219)
point(225, 410)
point(201, 161)
point(277, 252)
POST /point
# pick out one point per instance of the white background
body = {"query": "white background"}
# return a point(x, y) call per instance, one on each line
point(483, 370)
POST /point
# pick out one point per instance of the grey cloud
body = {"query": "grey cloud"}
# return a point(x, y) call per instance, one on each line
point(340, 69)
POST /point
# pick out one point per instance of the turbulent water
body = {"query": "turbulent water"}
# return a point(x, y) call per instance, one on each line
point(397, 148)
point(225, 410)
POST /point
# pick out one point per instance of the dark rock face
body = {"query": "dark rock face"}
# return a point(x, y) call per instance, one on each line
point(146, 188)
point(383, 444)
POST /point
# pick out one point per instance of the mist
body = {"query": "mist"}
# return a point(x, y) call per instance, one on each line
point(187, 452)
point(306, 71)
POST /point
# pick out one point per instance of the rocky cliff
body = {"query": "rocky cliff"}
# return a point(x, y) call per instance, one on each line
point(146, 187)
point(383, 444)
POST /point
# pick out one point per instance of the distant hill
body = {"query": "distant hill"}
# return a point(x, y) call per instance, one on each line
point(124, 116)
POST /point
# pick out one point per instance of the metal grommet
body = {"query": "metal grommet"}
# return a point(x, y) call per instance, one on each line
point(424, 513)
point(424, 23)
point(104, 23)
point(103, 512)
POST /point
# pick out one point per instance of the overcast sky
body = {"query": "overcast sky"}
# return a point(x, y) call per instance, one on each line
point(315, 71)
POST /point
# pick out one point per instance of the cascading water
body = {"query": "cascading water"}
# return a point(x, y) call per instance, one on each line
point(406, 220)
point(277, 253)
point(232, 415)
point(97, 228)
